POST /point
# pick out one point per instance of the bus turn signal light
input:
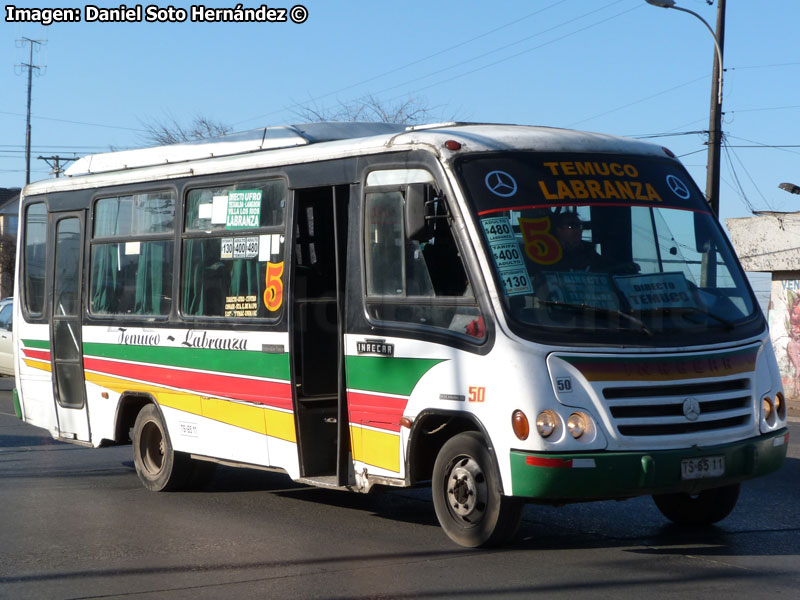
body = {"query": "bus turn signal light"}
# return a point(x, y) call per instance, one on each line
point(519, 422)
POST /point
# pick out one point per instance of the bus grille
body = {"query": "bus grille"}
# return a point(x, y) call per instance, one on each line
point(659, 410)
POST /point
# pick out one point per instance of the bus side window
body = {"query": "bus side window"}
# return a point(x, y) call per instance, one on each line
point(427, 277)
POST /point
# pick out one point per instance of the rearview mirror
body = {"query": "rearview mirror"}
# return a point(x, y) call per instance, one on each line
point(703, 235)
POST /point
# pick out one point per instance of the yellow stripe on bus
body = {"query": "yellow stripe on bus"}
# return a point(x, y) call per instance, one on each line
point(259, 419)
point(38, 364)
point(377, 448)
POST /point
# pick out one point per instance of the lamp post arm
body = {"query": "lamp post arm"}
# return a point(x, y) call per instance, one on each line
point(716, 46)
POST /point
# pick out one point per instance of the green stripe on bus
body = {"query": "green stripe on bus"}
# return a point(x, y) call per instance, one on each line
point(40, 344)
point(235, 362)
point(388, 375)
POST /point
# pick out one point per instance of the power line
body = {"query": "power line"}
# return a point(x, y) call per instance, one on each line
point(469, 60)
point(412, 63)
point(788, 64)
point(2, 112)
point(525, 51)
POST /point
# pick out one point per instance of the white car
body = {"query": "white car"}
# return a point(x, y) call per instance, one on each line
point(6, 346)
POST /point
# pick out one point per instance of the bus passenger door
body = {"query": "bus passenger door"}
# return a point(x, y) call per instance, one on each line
point(317, 293)
point(66, 350)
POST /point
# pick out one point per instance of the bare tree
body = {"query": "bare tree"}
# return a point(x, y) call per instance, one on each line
point(410, 111)
point(169, 130)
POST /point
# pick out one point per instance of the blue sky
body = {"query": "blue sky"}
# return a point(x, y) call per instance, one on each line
point(614, 66)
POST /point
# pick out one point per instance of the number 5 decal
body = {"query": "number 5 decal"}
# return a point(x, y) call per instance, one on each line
point(273, 295)
point(540, 246)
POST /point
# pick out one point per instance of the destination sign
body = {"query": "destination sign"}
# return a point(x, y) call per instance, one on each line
point(563, 179)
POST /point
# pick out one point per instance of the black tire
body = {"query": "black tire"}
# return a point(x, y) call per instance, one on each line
point(704, 508)
point(466, 494)
point(159, 468)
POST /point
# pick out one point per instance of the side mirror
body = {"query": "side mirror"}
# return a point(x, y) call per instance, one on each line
point(416, 226)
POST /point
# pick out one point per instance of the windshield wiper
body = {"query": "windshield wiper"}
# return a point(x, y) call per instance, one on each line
point(600, 310)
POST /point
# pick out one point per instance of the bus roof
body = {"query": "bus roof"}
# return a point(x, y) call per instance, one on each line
point(289, 144)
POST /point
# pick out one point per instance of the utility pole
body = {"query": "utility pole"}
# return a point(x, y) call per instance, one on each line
point(30, 66)
point(55, 166)
point(715, 120)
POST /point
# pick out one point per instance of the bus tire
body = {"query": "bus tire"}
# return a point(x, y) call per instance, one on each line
point(466, 494)
point(159, 468)
point(704, 508)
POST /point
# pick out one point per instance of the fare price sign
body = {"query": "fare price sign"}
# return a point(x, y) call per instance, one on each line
point(507, 255)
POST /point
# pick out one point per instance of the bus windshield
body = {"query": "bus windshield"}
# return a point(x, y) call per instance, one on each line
point(601, 247)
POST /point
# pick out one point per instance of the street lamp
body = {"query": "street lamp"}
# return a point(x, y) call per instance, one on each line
point(790, 187)
point(715, 119)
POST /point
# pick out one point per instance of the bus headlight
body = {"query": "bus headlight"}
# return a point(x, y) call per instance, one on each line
point(520, 425)
point(578, 424)
point(546, 423)
point(767, 411)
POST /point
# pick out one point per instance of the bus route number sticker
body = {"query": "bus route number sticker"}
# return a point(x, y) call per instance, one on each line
point(273, 294)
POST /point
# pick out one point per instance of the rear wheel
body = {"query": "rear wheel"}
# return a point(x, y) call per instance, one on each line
point(158, 466)
point(466, 494)
point(704, 508)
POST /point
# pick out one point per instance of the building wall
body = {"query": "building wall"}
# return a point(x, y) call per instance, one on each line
point(784, 325)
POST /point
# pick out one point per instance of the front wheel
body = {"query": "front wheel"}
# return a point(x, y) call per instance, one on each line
point(158, 466)
point(704, 508)
point(466, 494)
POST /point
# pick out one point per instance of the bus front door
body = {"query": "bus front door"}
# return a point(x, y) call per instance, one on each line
point(66, 350)
point(317, 342)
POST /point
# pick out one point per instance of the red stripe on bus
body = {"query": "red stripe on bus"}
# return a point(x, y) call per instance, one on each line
point(275, 394)
point(538, 461)
point(37, 354)
point(381, 412)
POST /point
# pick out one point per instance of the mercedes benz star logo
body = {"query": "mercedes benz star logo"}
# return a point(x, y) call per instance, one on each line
point(691, 409)
point(678, 187)
point(501, 184)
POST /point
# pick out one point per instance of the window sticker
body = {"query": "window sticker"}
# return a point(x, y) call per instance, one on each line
point(498, 229)
point(517, 282)
point(678, 187)
point(273, 294)
point(500, 184)
point(541, 246)
point(219, 209)
point(243, 209)
point(507, 255)
point(132, 248)
point(656, 291)
point(205, 212)
point(241, 306)
point(226, 249)
point(579, 287)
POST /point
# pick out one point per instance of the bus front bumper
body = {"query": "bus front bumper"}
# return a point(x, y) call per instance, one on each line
point(615, 475)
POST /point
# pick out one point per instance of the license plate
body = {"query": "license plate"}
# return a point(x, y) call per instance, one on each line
point(700, 468)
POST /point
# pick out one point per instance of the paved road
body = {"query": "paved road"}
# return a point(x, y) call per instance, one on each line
point(76, 523)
